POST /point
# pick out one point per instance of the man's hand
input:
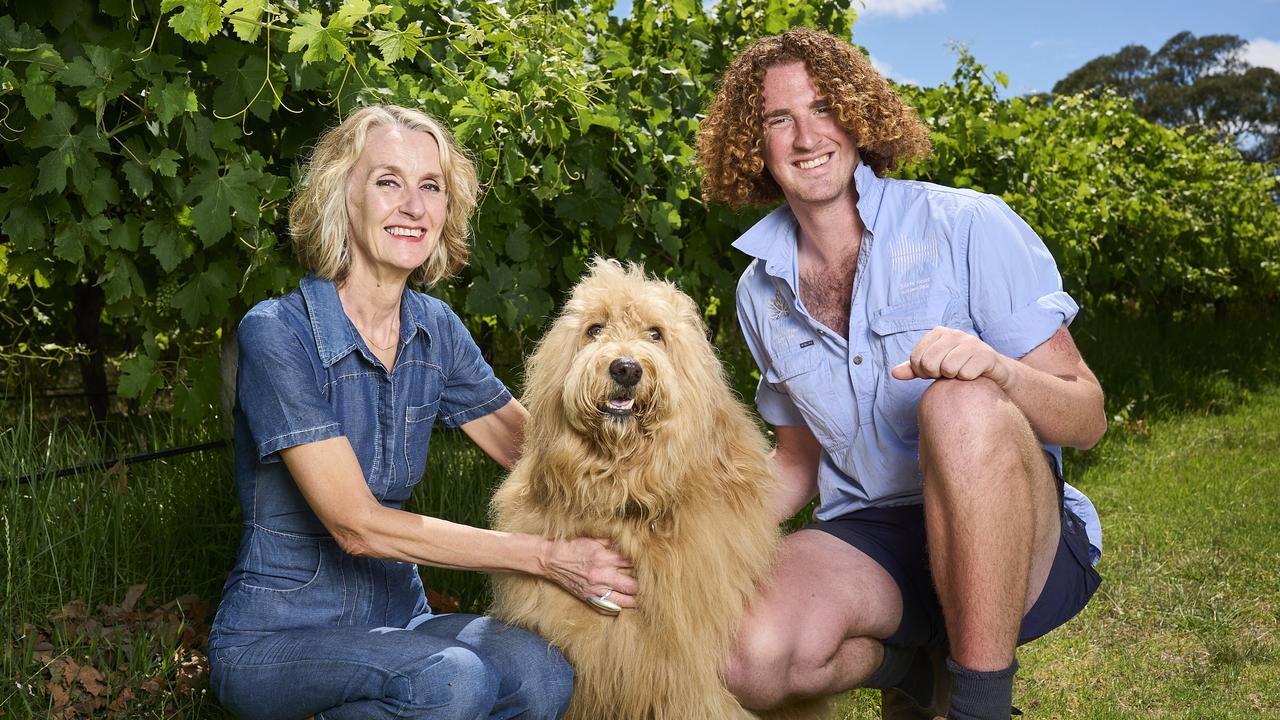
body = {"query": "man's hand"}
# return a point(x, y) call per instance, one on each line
point(949, 353)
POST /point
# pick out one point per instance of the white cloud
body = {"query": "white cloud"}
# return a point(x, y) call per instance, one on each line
point(1263, 53)
point(1049, 43)
point(886, 70)
point(898, 8)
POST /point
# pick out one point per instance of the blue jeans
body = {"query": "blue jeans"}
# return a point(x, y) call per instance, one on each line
point(442, 667)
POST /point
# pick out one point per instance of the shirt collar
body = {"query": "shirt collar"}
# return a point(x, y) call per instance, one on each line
point(336, 336)
point(772, 239)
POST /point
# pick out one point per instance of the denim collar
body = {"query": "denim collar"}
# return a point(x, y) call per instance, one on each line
point(773, 238)
point(336, 336)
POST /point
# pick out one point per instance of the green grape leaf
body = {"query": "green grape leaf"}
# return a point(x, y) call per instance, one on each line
point(39, 97)
point(397, 44)
point(198, 21)
point(165, 244)
point(166, 162)
point(351, 12)
point(101, 193)
point(172, 99)
point(122, 280)
point(125, 235)
point(26, 228)
point(53, 173)
point(205, 295)
point(74, 238)
point(245, 17)
point(220, 195)
point(79, 73)
point(139, 378)
point(321, 43)
point(139, 178)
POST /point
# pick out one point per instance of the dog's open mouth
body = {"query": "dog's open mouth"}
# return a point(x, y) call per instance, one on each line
point(619, 406)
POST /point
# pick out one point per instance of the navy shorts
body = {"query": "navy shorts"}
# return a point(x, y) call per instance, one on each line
point(895, 538)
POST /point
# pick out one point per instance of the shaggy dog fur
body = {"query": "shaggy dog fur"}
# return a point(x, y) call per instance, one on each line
point(672, 469)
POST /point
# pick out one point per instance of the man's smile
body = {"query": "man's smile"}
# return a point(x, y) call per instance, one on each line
point(815, 162)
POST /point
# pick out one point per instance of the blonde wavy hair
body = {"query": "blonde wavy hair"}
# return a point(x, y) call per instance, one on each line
point(886, 130)
point(318, 220)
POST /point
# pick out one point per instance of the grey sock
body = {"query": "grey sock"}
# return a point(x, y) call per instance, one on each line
point(977, 695)
point(907, 669)
point(897, 661)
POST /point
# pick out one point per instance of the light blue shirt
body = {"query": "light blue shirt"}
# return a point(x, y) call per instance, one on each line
point(930, 256)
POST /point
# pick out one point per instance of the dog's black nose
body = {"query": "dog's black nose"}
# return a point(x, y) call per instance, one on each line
point(625, 371)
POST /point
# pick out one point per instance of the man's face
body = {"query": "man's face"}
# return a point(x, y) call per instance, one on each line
point(806, 150)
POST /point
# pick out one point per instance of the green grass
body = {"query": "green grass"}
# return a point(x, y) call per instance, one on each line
point(1187, 621)
point(1186, 624)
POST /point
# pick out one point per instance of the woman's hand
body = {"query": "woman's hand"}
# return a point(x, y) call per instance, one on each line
point(591, 569)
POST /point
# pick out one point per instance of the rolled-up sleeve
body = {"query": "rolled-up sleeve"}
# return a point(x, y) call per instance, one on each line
point(773, 403)
point(471, 389)
point(277, 388)
point(1015, 292)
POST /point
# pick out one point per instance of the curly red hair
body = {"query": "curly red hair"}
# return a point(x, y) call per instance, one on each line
point(887, 131)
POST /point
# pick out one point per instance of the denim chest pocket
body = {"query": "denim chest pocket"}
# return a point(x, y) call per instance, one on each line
point(815, 388)
point(897, 330)
point(417, 436)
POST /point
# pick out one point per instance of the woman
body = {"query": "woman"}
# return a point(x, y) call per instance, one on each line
point(339, 384)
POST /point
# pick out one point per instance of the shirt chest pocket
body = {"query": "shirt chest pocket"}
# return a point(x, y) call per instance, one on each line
point(897, 330)
point(822, 393)
point(417, 438)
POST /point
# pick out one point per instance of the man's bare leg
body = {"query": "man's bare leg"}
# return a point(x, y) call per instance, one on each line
point(815, 628)
point(992, 515)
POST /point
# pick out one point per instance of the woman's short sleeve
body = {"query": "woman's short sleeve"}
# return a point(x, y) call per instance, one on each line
point(471, 390)
point(278, 387)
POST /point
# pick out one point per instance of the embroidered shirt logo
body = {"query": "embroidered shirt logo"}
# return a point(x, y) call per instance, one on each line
point(778, 306)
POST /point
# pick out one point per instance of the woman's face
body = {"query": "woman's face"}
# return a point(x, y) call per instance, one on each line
point(396, 202)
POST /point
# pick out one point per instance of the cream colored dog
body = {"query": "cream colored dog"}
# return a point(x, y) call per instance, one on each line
point(636, 437)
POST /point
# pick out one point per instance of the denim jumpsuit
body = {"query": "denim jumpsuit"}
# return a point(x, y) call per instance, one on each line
point(307, 629)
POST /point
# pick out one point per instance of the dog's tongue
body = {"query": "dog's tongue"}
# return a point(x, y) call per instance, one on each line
point(622, 403)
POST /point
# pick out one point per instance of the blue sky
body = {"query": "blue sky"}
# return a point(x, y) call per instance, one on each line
point(1036, 43)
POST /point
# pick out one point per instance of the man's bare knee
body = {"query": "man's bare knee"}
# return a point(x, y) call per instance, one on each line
point(970, 424)
point(757, 666)
point(948, 401)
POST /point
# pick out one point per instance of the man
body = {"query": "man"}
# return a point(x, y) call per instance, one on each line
point(915, 362)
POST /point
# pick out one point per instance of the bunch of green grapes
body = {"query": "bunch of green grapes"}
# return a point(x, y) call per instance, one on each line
point(164, 295)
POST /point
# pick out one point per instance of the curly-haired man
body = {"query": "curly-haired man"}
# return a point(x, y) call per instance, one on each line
point(915, 362)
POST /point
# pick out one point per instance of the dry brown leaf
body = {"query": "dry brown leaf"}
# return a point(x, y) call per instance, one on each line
point(191, 671)
point(91, 680)
point(441, 603)
point(152, 685)
point(131, 597)
point(117, 477)
point(121, 701)
point(59, 694)
point(72, 611)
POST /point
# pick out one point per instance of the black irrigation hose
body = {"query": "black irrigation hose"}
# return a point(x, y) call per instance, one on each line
point(144, 457)
point(58, 394)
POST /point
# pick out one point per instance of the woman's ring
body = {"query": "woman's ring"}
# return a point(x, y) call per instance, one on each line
point(604, 603)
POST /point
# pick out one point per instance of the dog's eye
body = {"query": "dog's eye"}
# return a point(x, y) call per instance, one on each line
point(594, 330)
point(655, 334)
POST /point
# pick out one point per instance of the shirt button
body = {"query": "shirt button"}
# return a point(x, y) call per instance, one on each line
point(857, 359)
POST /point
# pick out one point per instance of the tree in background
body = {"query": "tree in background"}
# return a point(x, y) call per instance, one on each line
point(1193, 82)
